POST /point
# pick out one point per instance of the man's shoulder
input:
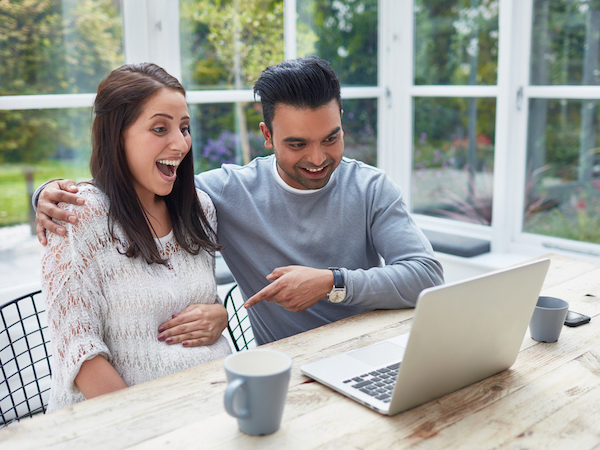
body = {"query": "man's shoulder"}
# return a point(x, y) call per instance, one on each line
point(360, 171)
point(228, 172)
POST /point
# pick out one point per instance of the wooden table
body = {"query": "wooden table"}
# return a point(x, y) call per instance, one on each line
point(550, 398)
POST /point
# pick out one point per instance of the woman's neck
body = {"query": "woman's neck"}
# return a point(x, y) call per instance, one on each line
point(157, 215)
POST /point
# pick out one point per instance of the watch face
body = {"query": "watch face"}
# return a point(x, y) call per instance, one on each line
point(337, 296)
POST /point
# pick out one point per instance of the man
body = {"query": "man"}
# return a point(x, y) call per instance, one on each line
point(287, 219)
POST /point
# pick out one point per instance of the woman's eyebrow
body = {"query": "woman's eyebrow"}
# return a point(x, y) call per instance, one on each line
point(168, 116)
point(162, 115)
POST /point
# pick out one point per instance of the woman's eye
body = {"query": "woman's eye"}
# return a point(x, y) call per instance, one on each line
point(159, 129)
point(185, 131)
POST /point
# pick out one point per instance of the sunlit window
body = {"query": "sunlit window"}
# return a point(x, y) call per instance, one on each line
point(50, 47)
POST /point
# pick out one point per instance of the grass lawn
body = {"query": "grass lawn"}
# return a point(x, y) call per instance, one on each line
point(14, 198)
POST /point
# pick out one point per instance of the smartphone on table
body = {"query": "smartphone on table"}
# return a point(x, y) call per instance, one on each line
point(575, 319)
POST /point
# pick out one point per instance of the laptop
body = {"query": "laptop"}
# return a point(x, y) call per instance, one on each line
point(462, 332)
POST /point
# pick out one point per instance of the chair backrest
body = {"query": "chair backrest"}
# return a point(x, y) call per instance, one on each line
point(239, 326)
point(24, 358)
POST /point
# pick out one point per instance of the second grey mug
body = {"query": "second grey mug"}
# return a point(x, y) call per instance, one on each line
point(548, 319)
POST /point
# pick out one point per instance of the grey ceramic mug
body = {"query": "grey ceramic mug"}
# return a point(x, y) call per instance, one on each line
point(257, 387)
point(548, 319)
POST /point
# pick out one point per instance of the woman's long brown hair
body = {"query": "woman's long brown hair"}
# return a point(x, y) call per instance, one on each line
point(120, 100)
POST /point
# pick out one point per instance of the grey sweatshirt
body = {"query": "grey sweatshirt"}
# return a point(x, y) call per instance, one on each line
point(357, 222)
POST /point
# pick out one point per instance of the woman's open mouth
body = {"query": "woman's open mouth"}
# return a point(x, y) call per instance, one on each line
point(168, 168)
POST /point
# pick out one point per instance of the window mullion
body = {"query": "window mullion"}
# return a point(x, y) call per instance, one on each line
point(151, 33)
point(510, 145)
point(519, 115)
point(289, 29)
point(394, 152)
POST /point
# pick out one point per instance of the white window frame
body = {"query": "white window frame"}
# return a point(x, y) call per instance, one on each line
point(151, 32)
point(512, 93)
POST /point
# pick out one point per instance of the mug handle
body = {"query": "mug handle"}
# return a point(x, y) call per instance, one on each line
point(229, 396)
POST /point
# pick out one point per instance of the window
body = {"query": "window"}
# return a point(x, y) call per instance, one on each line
point(563, 145)
point(54, 54)
point(485, 112)
point(456, 43)
point(258, 33)
point(505, 134)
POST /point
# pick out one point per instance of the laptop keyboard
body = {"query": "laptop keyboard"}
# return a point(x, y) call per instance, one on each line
point(379, 383)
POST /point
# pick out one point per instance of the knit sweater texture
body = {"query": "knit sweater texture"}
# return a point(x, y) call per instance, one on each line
point(101, 302)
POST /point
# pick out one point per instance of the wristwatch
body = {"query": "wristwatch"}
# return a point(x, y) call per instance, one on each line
point(338, 293)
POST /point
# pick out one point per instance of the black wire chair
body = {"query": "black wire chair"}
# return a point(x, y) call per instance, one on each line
point(25, 359)
point(239, 326)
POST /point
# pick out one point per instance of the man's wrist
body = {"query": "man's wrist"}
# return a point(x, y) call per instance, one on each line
point(338, 291)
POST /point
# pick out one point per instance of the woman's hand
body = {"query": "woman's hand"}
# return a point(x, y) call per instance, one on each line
point(194, 326)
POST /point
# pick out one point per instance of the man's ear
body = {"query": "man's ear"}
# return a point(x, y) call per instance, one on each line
point(267, 135)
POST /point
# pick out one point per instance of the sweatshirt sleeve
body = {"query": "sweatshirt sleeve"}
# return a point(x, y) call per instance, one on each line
point(73, 294)
point(408, 265)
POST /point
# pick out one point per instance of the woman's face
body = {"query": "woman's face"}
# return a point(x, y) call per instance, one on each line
point(156, 143)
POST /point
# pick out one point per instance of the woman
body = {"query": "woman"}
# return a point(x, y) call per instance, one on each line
point(142, 250)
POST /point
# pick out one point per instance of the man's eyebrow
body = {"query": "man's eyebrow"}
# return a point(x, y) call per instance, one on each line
point(294, 139)
point(336, 130)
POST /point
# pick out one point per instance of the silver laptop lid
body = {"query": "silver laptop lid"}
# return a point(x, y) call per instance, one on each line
point(461, 333)
point(466, 331)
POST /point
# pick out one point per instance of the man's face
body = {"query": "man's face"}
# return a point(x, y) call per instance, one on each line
point(308, 143)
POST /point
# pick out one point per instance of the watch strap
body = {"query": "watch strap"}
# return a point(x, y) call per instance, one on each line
point(338, 277)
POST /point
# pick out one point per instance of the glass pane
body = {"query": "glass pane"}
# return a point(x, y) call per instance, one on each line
point(217, 133)
point(344, 32)
point(228, 44)
point(360, 130)
point(456, 42)
point(453, 163)
point(58, 46)
point(563, 169)
point(565, 42)
point(37, 146)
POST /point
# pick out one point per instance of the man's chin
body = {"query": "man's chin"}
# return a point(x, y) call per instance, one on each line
point(308, 183)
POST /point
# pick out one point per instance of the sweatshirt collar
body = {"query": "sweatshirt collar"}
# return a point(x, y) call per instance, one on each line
point(293, 190)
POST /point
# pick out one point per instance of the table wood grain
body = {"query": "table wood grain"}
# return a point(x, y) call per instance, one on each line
point(550, 398)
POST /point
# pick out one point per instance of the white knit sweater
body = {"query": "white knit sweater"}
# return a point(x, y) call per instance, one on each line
point(101, 302)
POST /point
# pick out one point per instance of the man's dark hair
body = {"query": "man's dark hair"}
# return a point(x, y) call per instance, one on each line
point(121, 98)
point(301, 83)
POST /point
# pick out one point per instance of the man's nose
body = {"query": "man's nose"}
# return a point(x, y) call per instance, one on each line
point(315, 155)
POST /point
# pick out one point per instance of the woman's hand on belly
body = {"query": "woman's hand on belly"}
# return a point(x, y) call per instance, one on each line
point(194, 326)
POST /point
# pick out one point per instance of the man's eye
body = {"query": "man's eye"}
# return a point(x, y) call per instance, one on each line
point(331, 139)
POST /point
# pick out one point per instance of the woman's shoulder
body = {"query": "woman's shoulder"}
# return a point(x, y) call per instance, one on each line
point(208, 208)
point(203, 197)
point(96, 203)
point(92, 223)
point(205, 201)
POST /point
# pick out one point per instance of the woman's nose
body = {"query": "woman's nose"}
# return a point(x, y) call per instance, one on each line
point(180, 142)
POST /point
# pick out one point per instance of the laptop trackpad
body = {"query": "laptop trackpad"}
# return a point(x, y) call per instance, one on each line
point(379, 354)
